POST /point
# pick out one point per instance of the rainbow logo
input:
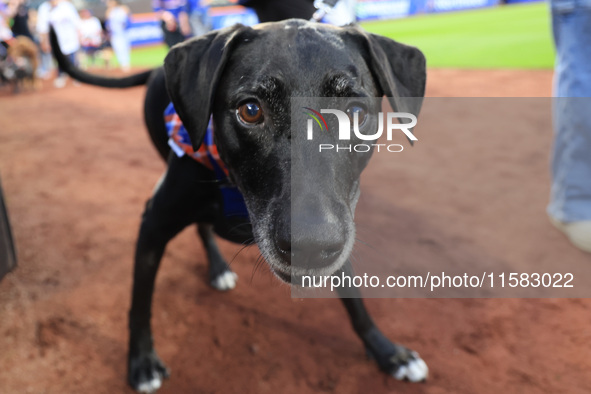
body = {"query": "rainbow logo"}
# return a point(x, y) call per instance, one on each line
point(316, 115)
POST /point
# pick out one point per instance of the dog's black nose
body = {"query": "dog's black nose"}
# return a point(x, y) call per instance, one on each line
point(310, 245)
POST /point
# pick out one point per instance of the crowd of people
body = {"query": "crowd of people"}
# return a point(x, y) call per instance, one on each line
point(81, 36)
point(85, 39)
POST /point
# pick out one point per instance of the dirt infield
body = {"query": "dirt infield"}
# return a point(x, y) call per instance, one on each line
point(77, 167)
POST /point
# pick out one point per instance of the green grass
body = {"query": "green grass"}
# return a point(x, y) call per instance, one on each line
point(510, 37)
point(515, 36)
point(148, 56)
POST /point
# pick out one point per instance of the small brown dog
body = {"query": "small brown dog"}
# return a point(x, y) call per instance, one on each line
point(20, 65)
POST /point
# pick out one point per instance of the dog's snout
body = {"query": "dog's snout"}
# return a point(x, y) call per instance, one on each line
point(310, 244)
point(319, 252)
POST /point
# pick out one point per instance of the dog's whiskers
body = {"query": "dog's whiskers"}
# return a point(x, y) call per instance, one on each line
point(244, 246)
point(259, 262)
point(241, 225)
point(365, 243)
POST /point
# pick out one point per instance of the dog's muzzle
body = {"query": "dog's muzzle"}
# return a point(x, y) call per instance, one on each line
point(310, 243)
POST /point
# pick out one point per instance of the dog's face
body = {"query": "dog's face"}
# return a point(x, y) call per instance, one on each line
point(301, 203)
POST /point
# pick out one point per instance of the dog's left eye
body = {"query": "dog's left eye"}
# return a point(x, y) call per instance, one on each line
point(250, 113)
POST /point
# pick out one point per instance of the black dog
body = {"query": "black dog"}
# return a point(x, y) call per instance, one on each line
point(245, 77)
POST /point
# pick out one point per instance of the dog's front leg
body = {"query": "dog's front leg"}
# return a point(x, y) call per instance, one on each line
point(167, 213)
point(145, 370)
point(393, 359)
point(221, 276)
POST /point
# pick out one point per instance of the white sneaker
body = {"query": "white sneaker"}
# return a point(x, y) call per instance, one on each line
point(59, 82)
point(579, 233)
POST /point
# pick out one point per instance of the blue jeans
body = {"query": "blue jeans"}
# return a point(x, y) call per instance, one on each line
point(46, 64)
point(570, 197)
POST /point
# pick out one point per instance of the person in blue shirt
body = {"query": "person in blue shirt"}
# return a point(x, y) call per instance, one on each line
point(175, 20)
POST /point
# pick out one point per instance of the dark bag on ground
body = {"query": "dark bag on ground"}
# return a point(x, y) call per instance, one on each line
point(7, 250)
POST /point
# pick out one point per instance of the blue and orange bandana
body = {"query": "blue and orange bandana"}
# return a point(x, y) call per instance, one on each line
point(208, 156)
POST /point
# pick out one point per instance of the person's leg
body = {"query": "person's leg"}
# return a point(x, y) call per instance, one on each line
point(122, 50)
point(45, 63)
point(62, 76)
point(92, 56)
point(3, 49)
point(570, 199)
point(85, 58)
point(47, 60)
point(60, 79)
point(125, 52)
point(200, 23)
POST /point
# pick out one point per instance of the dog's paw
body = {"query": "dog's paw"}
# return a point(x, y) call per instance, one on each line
point(395, 360)
point(413, 369)
point(146, 373)
point(225, 281)
point(402, 364)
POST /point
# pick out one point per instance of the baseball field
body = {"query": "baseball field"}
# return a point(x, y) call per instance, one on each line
point(77, 167)
point(516, 37)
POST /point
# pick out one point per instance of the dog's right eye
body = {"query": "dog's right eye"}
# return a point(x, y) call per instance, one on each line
point(250, 113)
point(361, 112)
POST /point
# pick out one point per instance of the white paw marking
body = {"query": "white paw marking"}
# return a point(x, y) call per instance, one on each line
point(415, 371)
point(151, 386)
point(225, 281)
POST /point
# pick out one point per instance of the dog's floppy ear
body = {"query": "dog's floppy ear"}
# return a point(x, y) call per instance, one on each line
point(400, 70)
point(193, 69)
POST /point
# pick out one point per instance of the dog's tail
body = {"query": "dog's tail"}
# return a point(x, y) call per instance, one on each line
point(97, 80)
